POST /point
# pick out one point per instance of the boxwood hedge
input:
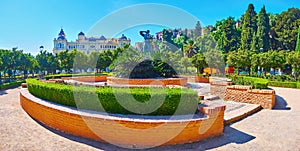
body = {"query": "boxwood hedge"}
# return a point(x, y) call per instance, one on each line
point(11, 84)
point(256, 83)
point(285, 84)
point(64, 94)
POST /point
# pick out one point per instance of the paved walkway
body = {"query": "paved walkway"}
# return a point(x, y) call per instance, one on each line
point(276, 129)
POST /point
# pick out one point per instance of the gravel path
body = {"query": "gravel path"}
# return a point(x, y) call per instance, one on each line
point(277, 129)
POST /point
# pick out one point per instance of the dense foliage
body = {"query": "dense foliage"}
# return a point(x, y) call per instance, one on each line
point(257, 83)
point(11, 84)
point(166, 99)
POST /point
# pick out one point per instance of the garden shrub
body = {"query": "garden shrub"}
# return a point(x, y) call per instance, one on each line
point(64, 94)
point(256, 83)
point(11, 84)
point(283, 84)
point(298, 85)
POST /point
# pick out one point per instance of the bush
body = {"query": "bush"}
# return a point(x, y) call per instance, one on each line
point(281, 78)
point(64, 94)
point(283, 84)
point(11, 84)
point(256, 83)
point(298, 85)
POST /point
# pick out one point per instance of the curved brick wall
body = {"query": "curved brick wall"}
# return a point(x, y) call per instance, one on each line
point(87, 78)
point(265, 98)
point(125, 132)
point(198, 79)
point(170, 81)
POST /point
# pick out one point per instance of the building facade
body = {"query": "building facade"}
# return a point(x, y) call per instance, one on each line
point(88, 44)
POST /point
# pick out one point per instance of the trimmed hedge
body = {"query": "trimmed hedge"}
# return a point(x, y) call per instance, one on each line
point(59, 76)
point(11, 84)
point(107, 96)
point(256, 83)
point(285, 84)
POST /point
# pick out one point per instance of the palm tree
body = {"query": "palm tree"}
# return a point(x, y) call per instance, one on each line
point(190, 48)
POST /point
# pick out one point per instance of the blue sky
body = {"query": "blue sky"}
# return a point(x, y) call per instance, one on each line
point(28, 24)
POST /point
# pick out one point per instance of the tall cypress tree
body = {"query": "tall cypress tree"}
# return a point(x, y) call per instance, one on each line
point(298, 41)
point(254, 43)
point(198, 30)
point(263, 29)
point(249, 27)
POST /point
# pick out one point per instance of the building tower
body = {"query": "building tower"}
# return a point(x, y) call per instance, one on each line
point(81, 37)
point(60, 43)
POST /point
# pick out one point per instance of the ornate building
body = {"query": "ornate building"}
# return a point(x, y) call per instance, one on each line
point(88, 44)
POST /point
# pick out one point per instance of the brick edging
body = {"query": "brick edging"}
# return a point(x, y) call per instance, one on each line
point(181, 81)
point(126, 133)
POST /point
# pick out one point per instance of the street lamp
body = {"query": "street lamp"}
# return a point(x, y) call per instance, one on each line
point(41, 48)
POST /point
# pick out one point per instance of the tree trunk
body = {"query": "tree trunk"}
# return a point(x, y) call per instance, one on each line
point(249, 71)
point(24, 74)
point(238, 70)
point(265, 71)
point(0, 78)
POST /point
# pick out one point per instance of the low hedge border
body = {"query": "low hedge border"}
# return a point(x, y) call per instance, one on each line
point(256, 83)
point(285, 84)
point(11, 84)
point(64, 94)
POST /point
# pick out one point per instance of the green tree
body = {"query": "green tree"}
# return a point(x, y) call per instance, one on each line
point(263, 29)
point(240, 59)
point(233, 60)
point(272, 34)
point(180, 41)
point(293, 59)
point(6, 60)
point(227, 35)
point(254, 43)
point(27, 63)
point(286, 28)
point(206, 43)
point(199, 62)
point(80, 61)
point(215, 59)
point(190, 48)
point(298, 41)
point(198, 30)
point(185, 62)
point(92, 59)
point(249, 27)
point(47, 61)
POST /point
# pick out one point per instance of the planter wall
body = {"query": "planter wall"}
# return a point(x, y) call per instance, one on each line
point(245, 94)
point(126, 132)
point(87, 78)
point(170, 81)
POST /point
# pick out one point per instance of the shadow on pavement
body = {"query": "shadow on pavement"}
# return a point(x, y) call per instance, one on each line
point(281, 104)
point(3, 92)
point(230, 135)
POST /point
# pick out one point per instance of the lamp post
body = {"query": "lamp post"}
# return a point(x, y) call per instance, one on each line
point(41, 48)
